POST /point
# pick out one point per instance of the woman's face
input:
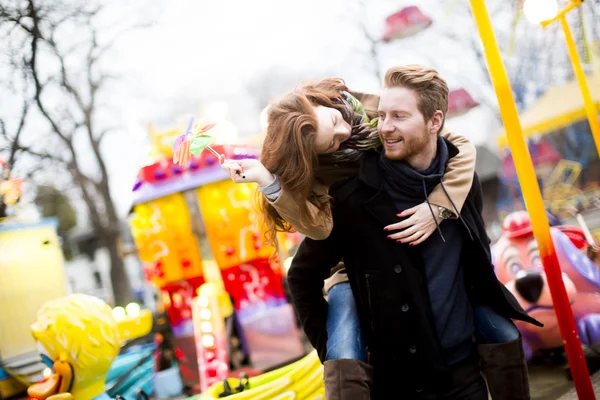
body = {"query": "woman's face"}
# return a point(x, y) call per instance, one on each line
point(332, 130)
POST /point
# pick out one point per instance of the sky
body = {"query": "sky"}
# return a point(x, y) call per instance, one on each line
point(198, 53)
point(209, 51)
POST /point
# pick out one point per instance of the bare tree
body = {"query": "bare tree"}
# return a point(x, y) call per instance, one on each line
point(372, 43)
point(11, 146)
point(58, 49)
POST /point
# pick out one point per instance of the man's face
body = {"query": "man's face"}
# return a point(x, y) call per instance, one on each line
point(402, 128)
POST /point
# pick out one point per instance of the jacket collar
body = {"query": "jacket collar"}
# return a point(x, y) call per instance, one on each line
point(370, 174)
point(380, 205)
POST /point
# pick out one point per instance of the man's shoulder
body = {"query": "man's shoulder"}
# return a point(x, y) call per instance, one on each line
point(341, 191)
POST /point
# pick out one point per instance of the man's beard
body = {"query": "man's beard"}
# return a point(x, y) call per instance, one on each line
point(410, 147)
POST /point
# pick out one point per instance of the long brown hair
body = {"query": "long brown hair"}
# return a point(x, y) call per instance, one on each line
point(289, 152)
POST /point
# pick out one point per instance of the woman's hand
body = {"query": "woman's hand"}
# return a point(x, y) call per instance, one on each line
point(247, 170)
point(417, 228)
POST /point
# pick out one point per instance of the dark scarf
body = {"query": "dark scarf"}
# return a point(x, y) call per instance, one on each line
point(409, 185)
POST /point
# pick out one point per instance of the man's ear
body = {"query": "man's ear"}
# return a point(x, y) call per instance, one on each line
point(436, 122)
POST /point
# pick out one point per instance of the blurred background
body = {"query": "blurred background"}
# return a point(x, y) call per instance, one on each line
point(94, 92)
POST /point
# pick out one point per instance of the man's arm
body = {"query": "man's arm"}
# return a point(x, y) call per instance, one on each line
point(311, 266)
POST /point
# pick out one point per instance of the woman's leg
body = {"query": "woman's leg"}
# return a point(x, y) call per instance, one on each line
point(344, 337)
point(491, 327)
point(347, 375)
point(502, 357)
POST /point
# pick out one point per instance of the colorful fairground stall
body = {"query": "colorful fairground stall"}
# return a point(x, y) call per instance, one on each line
point(564, 156)
point(31, 273)
point(43, 319)
point(201, 245)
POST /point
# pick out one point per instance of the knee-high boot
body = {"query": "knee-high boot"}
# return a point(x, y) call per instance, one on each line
point(347, 379)
point(505, 369)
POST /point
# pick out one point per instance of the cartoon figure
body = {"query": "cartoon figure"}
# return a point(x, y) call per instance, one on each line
point(78, 338)
point(519, 267)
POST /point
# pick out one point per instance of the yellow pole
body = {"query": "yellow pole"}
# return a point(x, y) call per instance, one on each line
point(533, 201)
point(590, 108)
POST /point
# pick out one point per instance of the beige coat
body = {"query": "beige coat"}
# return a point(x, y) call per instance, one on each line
point(457, 180)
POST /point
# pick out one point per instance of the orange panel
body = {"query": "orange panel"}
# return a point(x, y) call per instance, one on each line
point(232, 224)
point(163, 234)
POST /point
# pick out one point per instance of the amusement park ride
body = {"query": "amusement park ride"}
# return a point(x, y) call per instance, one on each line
point(231, 331)
point(201, 245)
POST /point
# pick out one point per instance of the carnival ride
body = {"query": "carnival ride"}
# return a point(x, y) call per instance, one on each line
point(563, 153)
point(31, 275)
point(198, 238)
point(518, 266)
point(31, 272)
point(78, 338)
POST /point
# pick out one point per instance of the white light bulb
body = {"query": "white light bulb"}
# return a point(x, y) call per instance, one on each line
point(133, 310)
point(119, 313)
point(537, 11)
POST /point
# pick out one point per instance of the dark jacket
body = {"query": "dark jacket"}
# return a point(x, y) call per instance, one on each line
point(402, 341)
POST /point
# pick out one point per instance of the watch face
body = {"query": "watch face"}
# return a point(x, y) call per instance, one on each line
point(445, 213)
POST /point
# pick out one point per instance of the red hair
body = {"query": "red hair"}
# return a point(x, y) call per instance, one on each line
point(289, 152)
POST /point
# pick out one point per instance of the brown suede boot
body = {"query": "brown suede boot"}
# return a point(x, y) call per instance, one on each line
point(505, 369)
point(347, 379)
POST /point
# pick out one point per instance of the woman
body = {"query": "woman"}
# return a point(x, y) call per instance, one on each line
point(315, 137)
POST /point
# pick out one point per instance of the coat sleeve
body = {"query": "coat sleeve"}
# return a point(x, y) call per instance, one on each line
point(289, 210)
point(458, 177)
point(310, 267)
point(478, 200)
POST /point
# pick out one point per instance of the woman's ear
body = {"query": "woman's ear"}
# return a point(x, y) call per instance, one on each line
point(436, 121)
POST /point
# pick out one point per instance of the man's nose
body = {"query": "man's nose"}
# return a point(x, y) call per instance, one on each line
point(385, 127)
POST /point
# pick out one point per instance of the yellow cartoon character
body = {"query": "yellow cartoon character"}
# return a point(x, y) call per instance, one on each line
point(78, 338)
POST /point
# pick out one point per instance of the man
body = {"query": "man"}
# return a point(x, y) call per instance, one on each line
point(415, 302)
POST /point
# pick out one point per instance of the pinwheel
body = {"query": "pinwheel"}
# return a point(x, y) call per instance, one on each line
point(192, 141)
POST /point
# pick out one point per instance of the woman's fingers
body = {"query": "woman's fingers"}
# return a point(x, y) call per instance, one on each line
point(404, 234)
point(411, 238)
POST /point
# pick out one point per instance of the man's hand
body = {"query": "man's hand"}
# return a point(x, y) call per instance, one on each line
point(247, 170)
point(417, 228)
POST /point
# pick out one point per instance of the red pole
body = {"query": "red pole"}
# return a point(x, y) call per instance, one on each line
point(534, 202)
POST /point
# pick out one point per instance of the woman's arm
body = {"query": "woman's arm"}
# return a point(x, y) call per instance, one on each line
point(419, 223)
point(250, 170)
point(458, 177)
point(459, 174)
point(288, 208)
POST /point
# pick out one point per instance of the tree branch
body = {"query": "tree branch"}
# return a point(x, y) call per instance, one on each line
point(82, 181)
point(39, 154)
point(373, 43)
point(15, 141)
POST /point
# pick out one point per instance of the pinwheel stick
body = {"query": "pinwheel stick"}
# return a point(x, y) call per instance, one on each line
point(213, 151)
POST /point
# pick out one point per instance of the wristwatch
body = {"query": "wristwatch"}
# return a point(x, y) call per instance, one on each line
point(445, 213)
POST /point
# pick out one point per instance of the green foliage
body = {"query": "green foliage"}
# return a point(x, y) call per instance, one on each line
point(53, 203)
